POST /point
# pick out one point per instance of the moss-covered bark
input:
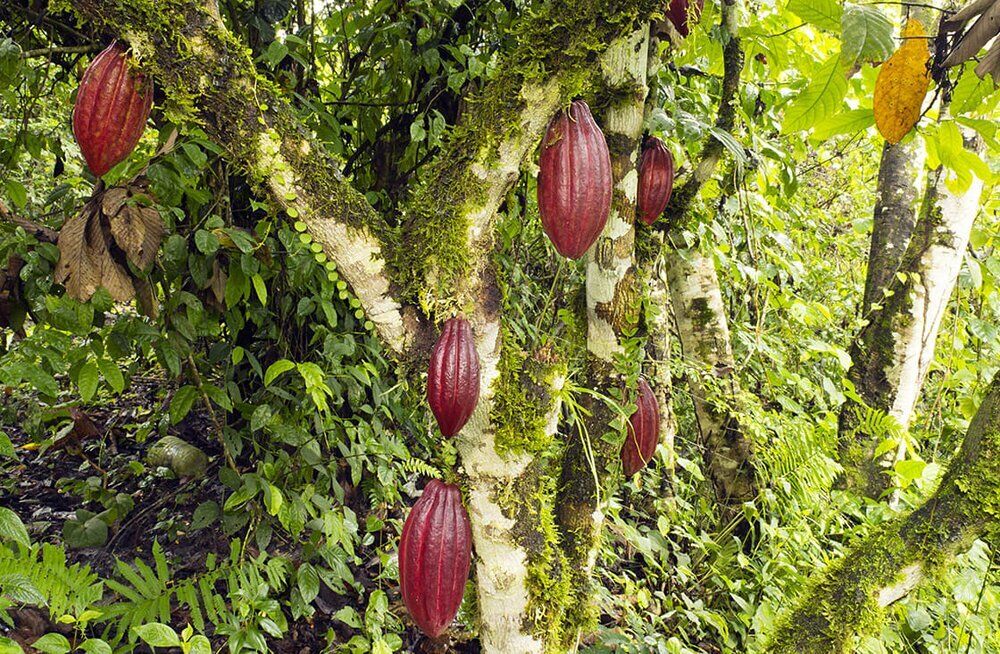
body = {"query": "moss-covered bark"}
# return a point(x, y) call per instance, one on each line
point(847, 601)
point(703, 329)
point(894, 350)
point(209, 76)
point(449, 215)
point(895, 214)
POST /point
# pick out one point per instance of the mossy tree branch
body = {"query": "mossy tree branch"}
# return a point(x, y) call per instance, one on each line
point(894, 350)
point(848, 600)
point(209, 74)
point(447, 228)
point(678, 210)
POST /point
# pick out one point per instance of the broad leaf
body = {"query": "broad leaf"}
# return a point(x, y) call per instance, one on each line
point(820, 99)
point(867, 35)
point(821, 13)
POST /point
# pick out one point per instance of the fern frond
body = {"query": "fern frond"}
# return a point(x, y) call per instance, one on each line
point(63, 589)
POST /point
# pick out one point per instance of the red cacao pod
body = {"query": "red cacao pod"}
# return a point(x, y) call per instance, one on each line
point(656, 180)
point(435, 552)
point(111, 109)
point(643, 431)
point(681, 11)
point(453, 377)
point(574, 181)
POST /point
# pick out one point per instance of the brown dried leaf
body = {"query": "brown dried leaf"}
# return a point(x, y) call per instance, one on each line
point(113, 200)
point(138, 231)
point(113, 276)
point(902, 84)
point(145, 296)
point(75, 270)
point(218, 283)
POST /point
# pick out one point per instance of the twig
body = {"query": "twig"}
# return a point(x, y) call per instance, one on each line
point(207, 401)
point(42, 233)
point(680, 204)
point(60, 49)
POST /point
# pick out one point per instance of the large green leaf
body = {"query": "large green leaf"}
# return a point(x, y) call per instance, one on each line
point(12, 529)
point(866, 35)
point(846, 122)
point(820, 99)
point(821, 13)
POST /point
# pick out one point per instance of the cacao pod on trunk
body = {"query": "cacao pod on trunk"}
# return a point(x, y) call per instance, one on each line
point(112, 106)
point(656, 180)
point(435, 552)
point(643, 431)
point(574, 181)
point(453, 377)
point(681, 10)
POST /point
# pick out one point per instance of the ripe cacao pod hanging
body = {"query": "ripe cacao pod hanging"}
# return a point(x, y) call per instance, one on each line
point(453, 377)
point(643, 431)
point(656, 180)
point(112, 106)
point(574, 181)
point(682, 10)
point(435, 552)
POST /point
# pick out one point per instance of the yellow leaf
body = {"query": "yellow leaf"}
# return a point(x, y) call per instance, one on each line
point(902, 84)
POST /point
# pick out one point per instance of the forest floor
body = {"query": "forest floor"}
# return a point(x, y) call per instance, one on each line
point(98, 460)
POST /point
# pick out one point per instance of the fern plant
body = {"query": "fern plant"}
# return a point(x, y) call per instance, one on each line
point(39, 576)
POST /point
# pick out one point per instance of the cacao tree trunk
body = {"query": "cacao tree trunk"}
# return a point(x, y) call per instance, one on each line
point(703, 331)
point(611, 305)
point(660, 323)
point(899, 178)
point(894, 351)
point(847, 601)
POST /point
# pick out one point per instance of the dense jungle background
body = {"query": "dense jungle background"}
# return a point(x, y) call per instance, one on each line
point(213, 357)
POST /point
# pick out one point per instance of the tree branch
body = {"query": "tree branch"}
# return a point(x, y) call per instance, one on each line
point(41, 232)
point(204, 66)
point(848, 600)
point(676, 213)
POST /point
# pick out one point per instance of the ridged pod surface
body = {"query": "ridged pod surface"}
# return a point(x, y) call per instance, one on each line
point(435, 552)
point(453, 377)
point(643, 431)
point(656, 180)
point(574, 181)
point(679, 12)
point(112, 106)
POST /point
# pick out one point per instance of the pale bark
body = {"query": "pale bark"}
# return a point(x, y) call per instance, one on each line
point(847, 601)
point(899, 178)
point(895, 350)
point(703, 331)
point(502, 552)
point(659, 349)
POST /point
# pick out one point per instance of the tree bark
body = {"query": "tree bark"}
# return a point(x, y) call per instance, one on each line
point(848, 600)
point(899, 177)
point(588, 464)
point(703, 331)
point(660, 322)
point(895, 349)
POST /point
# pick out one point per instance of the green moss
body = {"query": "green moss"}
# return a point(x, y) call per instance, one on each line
point(528, 500)
point(522, 400)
